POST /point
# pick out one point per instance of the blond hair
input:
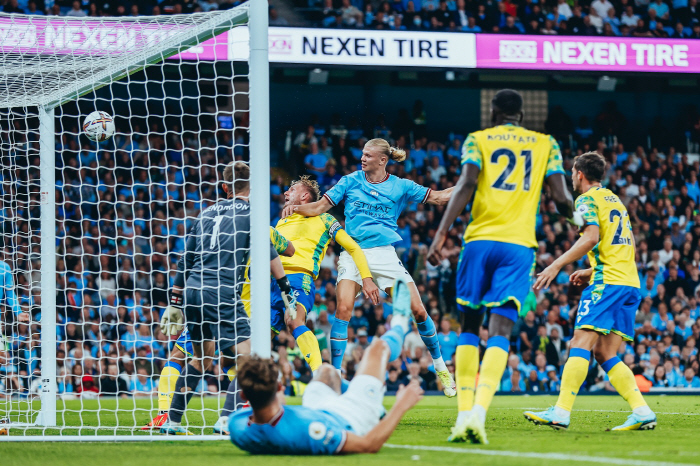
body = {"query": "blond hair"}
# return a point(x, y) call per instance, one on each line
point(310, 185)
point(394, 153)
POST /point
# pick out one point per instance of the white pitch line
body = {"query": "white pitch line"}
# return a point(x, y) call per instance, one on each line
point(540, 456)
point(602, 411)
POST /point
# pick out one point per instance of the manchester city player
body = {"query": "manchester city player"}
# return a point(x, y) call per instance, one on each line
point(7, 291)
point(374, 200)
point(211, 273)
point(507, 165)
point(182, 350)
point(327, 422)
point(311, 236)
point(608, 305)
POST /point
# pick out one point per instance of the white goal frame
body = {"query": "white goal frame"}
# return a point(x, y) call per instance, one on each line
point(255, 13)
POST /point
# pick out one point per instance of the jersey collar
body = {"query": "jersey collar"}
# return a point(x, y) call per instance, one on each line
point(273, 422)
point(377, 182)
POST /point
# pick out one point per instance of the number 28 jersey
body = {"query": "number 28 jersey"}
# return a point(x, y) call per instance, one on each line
point(514, 163)
point(612, 259)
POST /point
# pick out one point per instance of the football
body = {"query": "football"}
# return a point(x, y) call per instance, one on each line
point(98, 126)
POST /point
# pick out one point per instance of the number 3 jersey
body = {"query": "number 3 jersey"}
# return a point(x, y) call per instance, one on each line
point(514, 163)
point(612, 259)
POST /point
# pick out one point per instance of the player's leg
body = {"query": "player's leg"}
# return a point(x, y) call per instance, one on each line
point(233, 399)
point(621, 377)
point(167, 381)
point(575, 372)
point(346, 291)
point(304, 289)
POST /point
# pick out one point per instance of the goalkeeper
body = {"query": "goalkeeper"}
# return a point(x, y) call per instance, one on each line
point(207, 287)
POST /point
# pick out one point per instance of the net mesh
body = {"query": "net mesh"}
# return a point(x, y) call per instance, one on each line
point(123, 207)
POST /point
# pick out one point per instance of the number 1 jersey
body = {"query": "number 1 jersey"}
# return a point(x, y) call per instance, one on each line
point(514, 163)
point(612, 259)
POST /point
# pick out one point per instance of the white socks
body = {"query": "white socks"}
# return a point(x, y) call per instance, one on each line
point(479, 412)
point(439, 364)
point(561, 412)
point(400, 321)
point(643, 411)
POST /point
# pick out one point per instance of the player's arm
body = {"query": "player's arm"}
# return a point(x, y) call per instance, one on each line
point(590, 237)
point(557, 183)
point(277, 270)
point(463, 192)
point(406, 398)
point(440, 197)
point(173, 320)
point(368, 287)
point(313, 209)
point(282, 245)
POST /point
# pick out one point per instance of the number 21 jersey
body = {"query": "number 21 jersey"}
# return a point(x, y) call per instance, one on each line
point(612, 259)
point(514, 163)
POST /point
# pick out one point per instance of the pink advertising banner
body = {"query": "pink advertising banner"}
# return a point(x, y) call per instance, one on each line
point(58, 35)
point(579, 53)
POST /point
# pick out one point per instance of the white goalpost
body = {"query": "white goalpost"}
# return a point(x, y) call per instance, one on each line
point(92, 231)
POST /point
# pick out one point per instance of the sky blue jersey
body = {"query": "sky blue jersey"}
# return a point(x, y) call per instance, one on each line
point(7, 288)
point(371, 209)
point(296, 430)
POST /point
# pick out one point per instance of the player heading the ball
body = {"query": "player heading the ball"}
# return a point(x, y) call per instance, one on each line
point(374, 200)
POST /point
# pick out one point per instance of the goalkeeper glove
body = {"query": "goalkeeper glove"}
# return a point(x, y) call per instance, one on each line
point(173, 321)
point(290, 301)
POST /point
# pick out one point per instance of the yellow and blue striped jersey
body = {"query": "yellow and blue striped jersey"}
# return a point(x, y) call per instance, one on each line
point(514, 163)
point(310, 237)
point(612, 259)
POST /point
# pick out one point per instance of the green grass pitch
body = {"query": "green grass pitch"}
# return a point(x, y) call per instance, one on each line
point(419, 439)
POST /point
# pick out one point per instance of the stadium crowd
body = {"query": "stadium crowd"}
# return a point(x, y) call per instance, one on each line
point(629, 18)
point(122, 215)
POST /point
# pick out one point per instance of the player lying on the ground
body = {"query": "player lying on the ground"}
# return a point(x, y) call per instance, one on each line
point(182, 351)
point(327, 422)
point(374, 200)
point(211, 273)
point(311, 236)
point(608, 305)
point(507, 165)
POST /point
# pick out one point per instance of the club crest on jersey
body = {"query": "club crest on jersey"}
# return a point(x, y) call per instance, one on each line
point(317, 430)
point(374, 193)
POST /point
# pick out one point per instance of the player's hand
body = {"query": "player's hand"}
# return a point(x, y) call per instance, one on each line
point(409, 395)
point(370, 290)
point(23, 317)
point(287, 211)
point(434, 256)
point(172, 322)
point(290, 305)
point(546, 277)
point(577, 219)
point(581, 277)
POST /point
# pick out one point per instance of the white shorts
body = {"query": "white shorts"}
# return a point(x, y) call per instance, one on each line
point(361, 405)
point(383, 263)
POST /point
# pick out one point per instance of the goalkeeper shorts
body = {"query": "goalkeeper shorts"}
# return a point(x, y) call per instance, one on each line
point(211, 317)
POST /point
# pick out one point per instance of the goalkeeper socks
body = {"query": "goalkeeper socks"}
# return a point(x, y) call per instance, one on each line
point(184, 389)
point(622, 379)
point(233, 399)
point(166, 385)
point(492, 368)
point(575, 372)
point(308, 345)
point(428, 334)
point(339, 341)
point(466, 368)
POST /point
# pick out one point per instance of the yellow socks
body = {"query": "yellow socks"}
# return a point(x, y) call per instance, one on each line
point(492, 367)
point(166, 384)
point(308, 345)
point(575, 372)
point(466, 368)
point(622, 379)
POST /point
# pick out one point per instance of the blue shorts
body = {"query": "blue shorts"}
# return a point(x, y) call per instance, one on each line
point(609, 308)
point(492, 273)
point(304, 290)
point(184, 344)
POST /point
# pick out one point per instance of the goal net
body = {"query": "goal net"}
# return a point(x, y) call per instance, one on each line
point(92, 232)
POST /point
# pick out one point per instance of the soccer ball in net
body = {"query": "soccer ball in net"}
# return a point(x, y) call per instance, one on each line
point(98, 126)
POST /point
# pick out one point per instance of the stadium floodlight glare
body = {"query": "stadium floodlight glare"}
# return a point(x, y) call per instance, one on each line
point(165, 101)
point(607, 84)
point(318, 76)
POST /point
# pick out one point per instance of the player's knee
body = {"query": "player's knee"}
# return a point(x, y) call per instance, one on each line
point(376, 348)
point(344, 311)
